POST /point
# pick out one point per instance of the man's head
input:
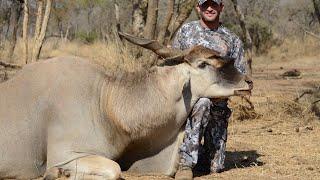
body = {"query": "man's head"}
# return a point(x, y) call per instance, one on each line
point(210, 10)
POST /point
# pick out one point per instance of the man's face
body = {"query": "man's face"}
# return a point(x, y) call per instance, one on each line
point(210, 11)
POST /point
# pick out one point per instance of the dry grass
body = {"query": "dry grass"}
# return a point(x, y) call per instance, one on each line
point(112, 55)
point(280, 107)
point(294, 48)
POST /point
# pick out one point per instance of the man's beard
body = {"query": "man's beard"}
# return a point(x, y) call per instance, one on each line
point(213, 19)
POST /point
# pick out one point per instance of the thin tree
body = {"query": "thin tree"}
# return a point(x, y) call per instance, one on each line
point(41, 28)
point(168, 27)
point(25, 31)
point(39, 19)
point(16, 8)
point(151, 23)
point(248, 39)
point(183, 12)
point(316, 4)
point(163, 29)
point(138, 16)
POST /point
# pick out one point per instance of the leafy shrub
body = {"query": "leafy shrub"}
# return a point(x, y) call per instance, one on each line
point(261, 34)
point(87, 37)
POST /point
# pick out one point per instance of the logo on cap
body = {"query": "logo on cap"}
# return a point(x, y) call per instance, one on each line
point(200, 2)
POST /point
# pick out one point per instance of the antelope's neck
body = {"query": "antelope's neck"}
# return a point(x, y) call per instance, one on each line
point(148, 108)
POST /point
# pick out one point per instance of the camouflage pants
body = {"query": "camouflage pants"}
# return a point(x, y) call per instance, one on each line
point(208, 120)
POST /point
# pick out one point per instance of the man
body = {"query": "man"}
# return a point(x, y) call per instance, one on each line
point(209, 118)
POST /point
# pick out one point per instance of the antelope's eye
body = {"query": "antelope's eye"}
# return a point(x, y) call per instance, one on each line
point(202, 65)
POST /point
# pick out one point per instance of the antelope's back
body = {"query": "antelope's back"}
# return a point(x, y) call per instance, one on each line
point(27, 106)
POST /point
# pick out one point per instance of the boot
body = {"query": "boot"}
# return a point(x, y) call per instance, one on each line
point(184, 173)
point(216, 168)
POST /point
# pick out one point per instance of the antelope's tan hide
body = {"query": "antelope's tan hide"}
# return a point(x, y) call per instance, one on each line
point(68, 113)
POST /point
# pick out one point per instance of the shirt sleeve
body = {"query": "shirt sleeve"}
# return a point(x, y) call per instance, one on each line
point(237, 54)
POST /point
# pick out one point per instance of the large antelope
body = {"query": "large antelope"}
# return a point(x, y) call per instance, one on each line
point(67, 117)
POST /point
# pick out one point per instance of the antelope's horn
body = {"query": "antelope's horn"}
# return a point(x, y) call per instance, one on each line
point(152, 45)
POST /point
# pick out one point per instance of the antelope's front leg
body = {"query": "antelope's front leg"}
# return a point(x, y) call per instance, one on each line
point(89, 167)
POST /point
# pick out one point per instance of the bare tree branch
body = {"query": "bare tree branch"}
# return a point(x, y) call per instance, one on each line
point(39, 40)
point(316, 4)
point(9, 65)
point(315, 102)
point(138, 16)
point(248, 40)
point(16, 8)
point(39, 19)
point(306, 30)
point(117, 13)
point(164, 27)
point(118, 25)
point(150, 28)
point(186, 8)
point(25, 31)
point(303, 93)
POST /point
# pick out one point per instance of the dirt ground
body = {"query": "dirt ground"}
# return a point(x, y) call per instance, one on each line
point(282, 142)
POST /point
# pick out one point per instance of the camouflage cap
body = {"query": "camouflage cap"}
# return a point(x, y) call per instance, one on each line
point(200, 2)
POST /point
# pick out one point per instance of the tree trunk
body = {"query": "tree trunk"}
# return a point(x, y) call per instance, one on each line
point(185, 9)
point(117, 14)
point(90, 11)
point(39, 19)
point(150, 28)
point(4, 15)
point(167, 20)
point(138, 16)
point(16, 8)
point(248, 39)
point(25, 31)
point(7, 23)
point(316, 4)
point(67, 33)
point(39, 39)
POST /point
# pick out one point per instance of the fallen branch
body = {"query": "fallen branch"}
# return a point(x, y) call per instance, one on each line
point(316, 101)
point(306, 30)
point(249, 102)
point(304, 93)
point(8, 65)
point(312, 34)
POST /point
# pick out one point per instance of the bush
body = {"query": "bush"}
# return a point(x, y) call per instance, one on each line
point(261, 34)
point(87, 37)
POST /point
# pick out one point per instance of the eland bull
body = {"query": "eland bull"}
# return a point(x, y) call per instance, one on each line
point(68, 117)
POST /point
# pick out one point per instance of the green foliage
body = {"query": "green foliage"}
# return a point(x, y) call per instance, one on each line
point(260, 17)
point(90, 3)
point(234, 27)
point(87, 37)
point(2, 20)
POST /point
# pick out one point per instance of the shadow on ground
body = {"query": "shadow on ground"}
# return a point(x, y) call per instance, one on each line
point(234, 160)
point(242, 159)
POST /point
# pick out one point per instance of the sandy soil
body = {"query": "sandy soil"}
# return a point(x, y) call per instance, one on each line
point(278, 144)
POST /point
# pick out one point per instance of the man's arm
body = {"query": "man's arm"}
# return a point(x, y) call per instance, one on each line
point(177, 42)
point(237, 53)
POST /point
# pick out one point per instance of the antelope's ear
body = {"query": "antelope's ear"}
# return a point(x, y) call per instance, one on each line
point(211, 57)
point(217, 62)
point(200, 52)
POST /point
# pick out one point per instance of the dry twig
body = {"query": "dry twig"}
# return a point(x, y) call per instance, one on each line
point(304, 93)
point(8, 65)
